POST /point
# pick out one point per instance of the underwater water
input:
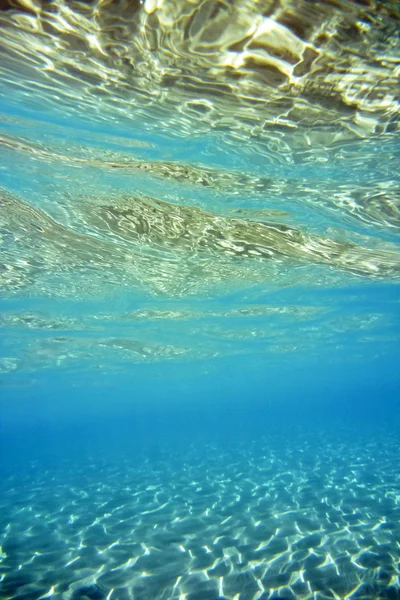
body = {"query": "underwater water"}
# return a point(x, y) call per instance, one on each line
point(199, 300)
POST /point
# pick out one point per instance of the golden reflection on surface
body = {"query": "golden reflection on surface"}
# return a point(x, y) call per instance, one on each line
point(324, 70)
point(292, 83)
point(169, 248)
point(376, 203)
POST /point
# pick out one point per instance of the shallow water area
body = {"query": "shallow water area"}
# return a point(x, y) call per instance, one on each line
point(199, 300)
point(257, 519)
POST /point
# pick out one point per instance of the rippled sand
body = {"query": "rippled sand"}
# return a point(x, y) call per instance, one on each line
point(310, 517)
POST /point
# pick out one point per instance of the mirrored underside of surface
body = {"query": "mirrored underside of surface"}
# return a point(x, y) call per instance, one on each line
point(324, 69)
point(161, 154)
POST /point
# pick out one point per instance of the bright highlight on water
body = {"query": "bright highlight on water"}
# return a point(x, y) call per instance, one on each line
point(199, 271)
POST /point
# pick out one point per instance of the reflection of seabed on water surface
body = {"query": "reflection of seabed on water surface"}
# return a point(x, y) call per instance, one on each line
point(141, 243)
point(167, 237)
point(295, 187)
point(294, 80)
point(323, 70)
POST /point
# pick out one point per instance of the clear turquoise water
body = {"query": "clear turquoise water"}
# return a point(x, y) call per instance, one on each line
point(199, 350)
